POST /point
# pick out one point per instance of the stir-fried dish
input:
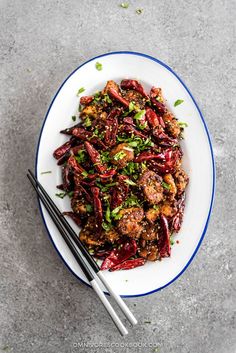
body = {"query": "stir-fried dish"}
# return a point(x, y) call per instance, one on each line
point(122, 168)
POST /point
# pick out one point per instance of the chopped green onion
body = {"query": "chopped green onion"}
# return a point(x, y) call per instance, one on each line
point(139, 115)
point(87, 122)
point(47, 172)
point(165, 185)
point(130, 182)
point(89, 208)
point(139, 11)
point(182, 124)
point(108, 214)
point(124, 5)
point(178, 102)
point(106, 226)
point(70, 194)
point(119, 155)
point(61, 194)
point(98, 66)
point(81, 90)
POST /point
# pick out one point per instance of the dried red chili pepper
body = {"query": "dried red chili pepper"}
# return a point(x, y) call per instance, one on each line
point(147, 155)
point(97, 205)
point(69, 130)
point(73, 216)
point(108, 174)
point(95, 157)
point(154, 92)
point(131, 130)
point(80, 190)
point(120, 192)
point(163, 242)
point(126, 249)
point(158, 106)
point(66, 178)
point(178, 217)
point(153, 119)
point(128, 120)
point(76, 167)
point(72, 150)
point(129, 264)
point(85, 100)
point(114, 94)
point(103, 253)
point(85, 135)
point(135, 85)
point(163, 139)
point(111, 127)
point(60, 151)
point(168, 165)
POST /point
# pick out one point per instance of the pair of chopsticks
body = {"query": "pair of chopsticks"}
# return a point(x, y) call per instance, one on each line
point(87, 263)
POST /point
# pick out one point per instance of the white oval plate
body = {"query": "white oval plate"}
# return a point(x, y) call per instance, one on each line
point(198, 162)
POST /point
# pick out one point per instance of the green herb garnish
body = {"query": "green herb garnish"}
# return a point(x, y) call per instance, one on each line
point(139, 11)
point(87, 122)
point(84, 173)
point(107, 99)
point(47, 172)
point(130, 182)
point(108, 214)
point(140, 114)
point(182, 124)
point(73, 117)
point(124, 5)
point(61, 194)
point(105, 156)
point(81, 156)
point(165, 185)
point(81, 90)
point(89, 208)
point(98, 66)
point(119, 155)
point(106, 226)
point(178, 102)
point(115, 213)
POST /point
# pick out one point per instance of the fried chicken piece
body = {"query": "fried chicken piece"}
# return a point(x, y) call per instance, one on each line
point(88, 234)
point(181, 181)
point(168, 179)
point(110, 84)
point(121, 155)
point(135, 97)
point(168, 208)
point(150, 183)
point(172, 125)
point(150, 232)
point(152, 214)
point(111, 235)
point(148, 250)
point(130, 223)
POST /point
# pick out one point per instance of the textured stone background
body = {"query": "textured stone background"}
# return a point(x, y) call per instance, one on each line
point(43, 307)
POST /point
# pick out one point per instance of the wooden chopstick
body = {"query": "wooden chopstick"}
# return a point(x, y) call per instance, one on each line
point(88, 273)
point(86, 254)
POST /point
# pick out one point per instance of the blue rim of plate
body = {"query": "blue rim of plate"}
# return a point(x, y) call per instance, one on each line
point(212, 158)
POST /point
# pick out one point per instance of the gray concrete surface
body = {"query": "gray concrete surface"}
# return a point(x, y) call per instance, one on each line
point(43, 308)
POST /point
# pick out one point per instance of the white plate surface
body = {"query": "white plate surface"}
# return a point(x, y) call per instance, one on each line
point(198, 162)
